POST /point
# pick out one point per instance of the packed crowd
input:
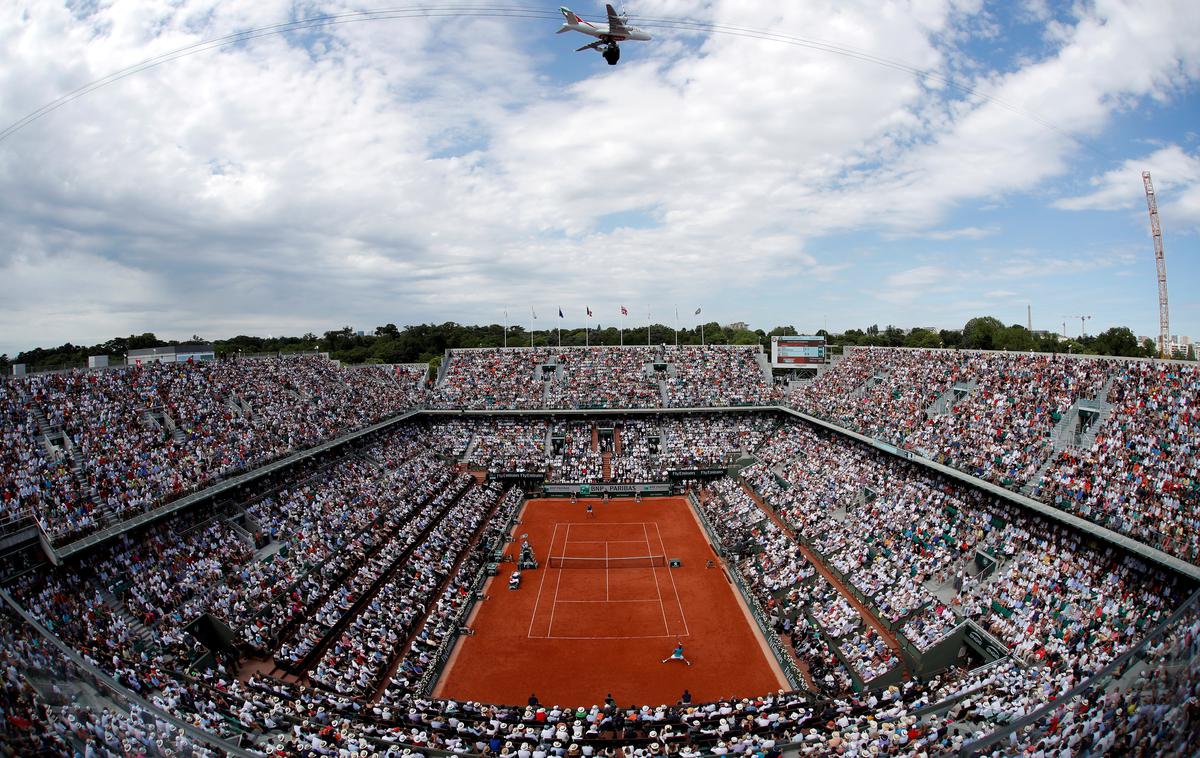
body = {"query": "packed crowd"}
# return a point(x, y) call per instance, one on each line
point(496, 378)
point(86, 448)
point(1008, 418)
point(1063, 607)
point(504, 444)
point(799, 603)
point(1141, 476)
point(31, 476)
point(576, 457)
point(1155, 709)
point(357, 661)
point(606, 378)
point(355, 573)
point(717, 375)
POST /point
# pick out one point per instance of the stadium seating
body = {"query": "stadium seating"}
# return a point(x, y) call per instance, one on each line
point(91, 448)
point(348, 577)
point(1126, 460)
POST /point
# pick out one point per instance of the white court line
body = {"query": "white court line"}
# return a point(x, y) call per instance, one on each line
point(542, 584)
point(599, 542)
point(579, 525)
point(622, 637)
point(606, 571)
point(554, 602)
point(642, 600)
point(663, 608)
point(670, 573)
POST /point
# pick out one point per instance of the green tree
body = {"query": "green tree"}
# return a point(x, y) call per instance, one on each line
point(951, 337)
point(1015, 337)
point(922, 338)
point(1118, 340)
point(982, 333)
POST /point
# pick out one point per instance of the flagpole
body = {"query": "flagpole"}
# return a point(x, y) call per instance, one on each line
point(677, 326)
point(587, 338)
point(647, 327)
point(622, 326)
point(506, 328)
point(532, 316)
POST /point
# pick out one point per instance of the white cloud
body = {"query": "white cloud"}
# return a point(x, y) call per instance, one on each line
point(1176, 177)
point(443, 168)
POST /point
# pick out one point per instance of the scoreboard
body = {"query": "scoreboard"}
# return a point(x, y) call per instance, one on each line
point(801, 350)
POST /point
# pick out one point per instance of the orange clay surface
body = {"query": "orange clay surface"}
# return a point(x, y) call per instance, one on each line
point(572, 635)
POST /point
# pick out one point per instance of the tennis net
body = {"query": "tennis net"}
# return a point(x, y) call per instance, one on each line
point(637, 561)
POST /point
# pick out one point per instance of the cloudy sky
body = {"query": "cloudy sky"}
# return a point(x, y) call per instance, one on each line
point(955, 158)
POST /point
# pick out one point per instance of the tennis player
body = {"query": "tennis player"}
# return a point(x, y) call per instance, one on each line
point(677, 654)
point(588, 510)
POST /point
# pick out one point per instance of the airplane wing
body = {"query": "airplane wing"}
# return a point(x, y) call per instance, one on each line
point(591, 46)
point(616, 24)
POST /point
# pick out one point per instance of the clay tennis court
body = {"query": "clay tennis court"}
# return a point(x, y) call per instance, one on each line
point(604, 608)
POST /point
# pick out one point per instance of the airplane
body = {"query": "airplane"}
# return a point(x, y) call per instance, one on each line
point(608, 35)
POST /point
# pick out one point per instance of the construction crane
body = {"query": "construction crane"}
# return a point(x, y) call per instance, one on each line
point(1164, 327)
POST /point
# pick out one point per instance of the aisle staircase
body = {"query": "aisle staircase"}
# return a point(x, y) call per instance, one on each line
point(1077, 428)
point(118, 610)
point(606, 466)
point(956, 394)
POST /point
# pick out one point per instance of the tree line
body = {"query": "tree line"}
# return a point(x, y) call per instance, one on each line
point(426, 343)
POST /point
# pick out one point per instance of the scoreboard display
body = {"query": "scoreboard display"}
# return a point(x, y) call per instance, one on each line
point(800, 350)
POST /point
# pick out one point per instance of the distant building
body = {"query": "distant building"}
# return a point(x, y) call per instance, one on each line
point(738, 326)
point(1178, 346)
point(173, 354)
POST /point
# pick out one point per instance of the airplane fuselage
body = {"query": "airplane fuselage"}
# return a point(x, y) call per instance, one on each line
point(600, 31)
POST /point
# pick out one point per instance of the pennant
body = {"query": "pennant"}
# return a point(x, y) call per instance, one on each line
point(560, 314)
point(697, 311)
point(589, 311)
point(624, 311)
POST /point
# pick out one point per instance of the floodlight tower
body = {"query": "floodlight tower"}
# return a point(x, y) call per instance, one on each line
point(1164, 327)
point(1083, 326)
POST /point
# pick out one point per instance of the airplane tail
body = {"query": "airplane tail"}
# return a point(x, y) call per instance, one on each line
point(572, 19)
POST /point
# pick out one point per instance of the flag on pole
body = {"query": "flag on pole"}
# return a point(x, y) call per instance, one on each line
point(533, 312)
point(697, 311)
point(560, 313)
point(624, 311)
point(589, 311)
